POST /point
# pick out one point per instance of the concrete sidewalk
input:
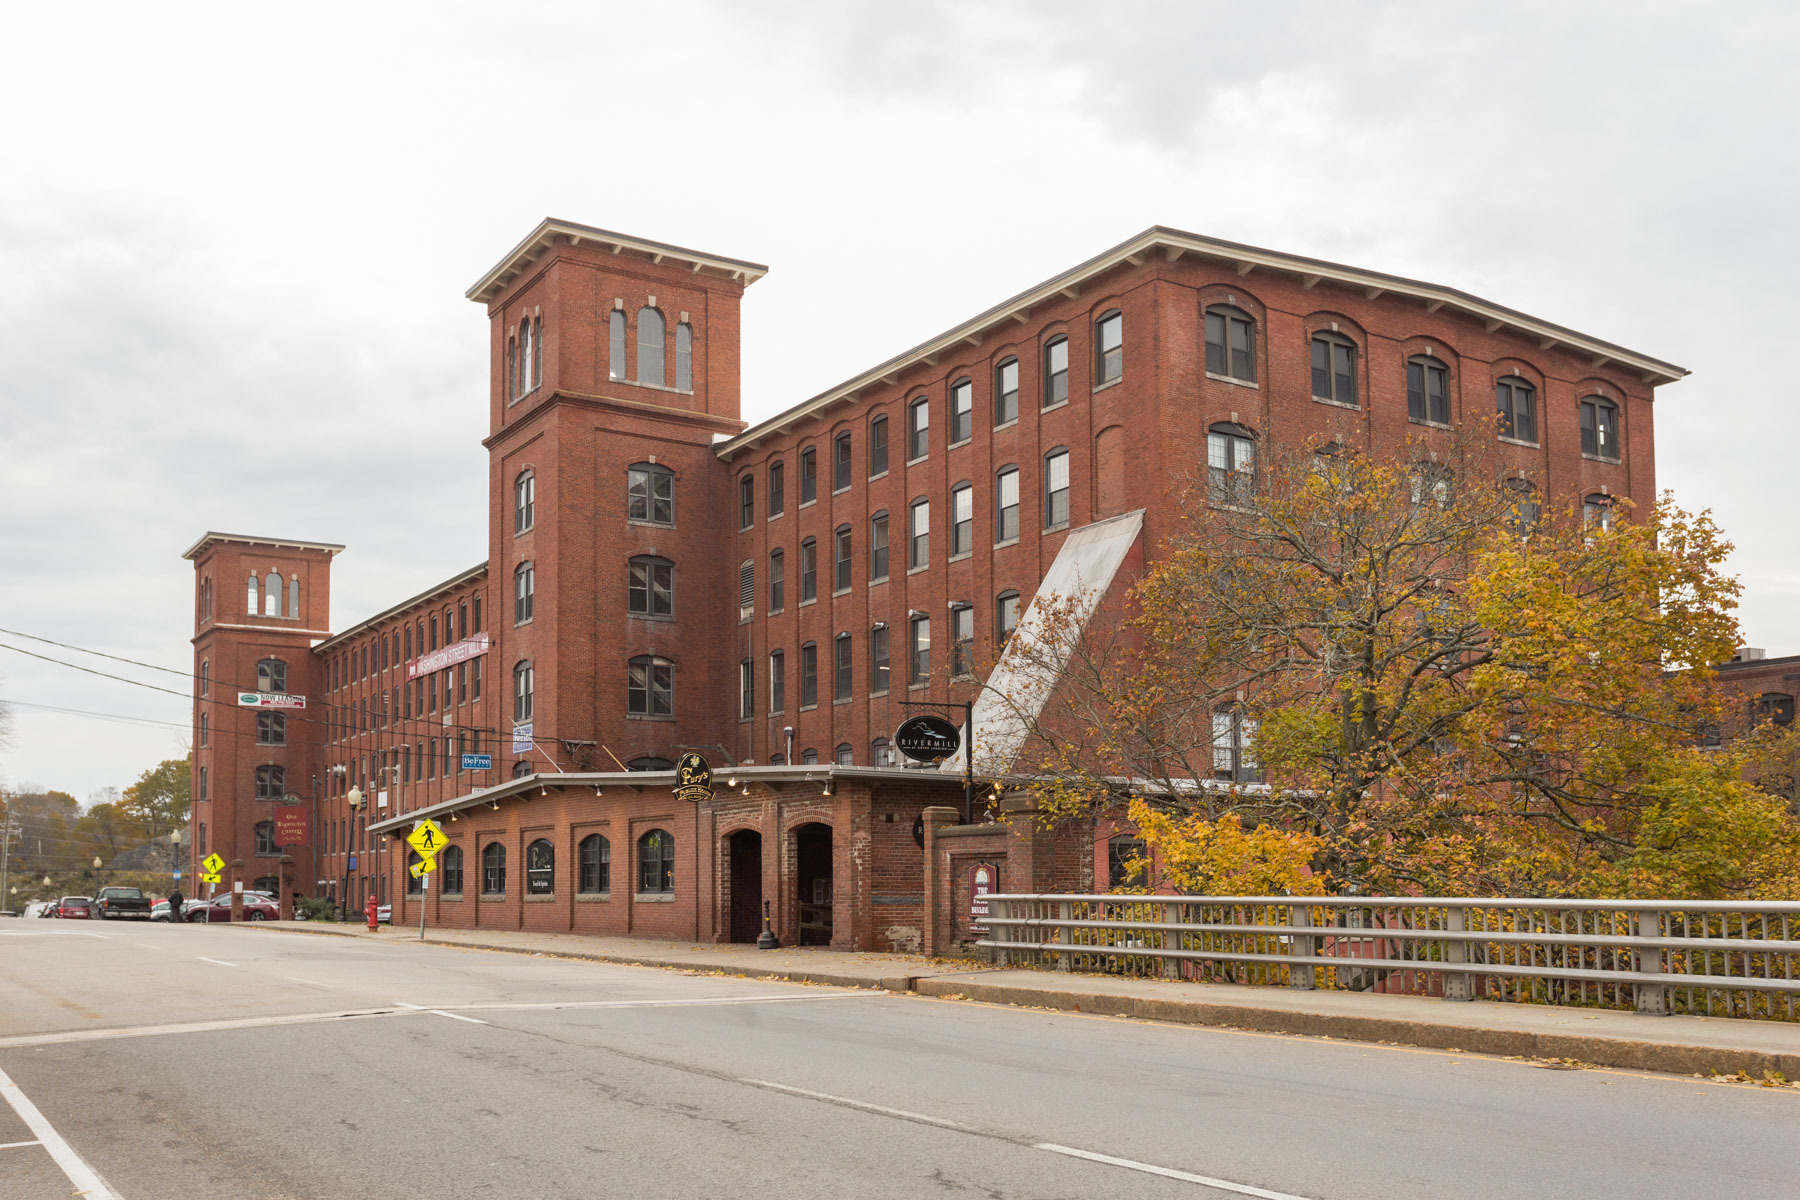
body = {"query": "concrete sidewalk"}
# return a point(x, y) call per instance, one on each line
point(1688, 1045)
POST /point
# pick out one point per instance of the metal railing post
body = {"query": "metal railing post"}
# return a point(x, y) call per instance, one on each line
point(1300, 971)
point(1652, 998)
point(1171, 940)
point(1005, 933)
point(1456, 983)
point(1065, 961)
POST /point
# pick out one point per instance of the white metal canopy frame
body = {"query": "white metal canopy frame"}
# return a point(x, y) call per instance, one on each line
point(1716, 958)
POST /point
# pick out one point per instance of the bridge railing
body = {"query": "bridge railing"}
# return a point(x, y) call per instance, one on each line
point(1709, 958)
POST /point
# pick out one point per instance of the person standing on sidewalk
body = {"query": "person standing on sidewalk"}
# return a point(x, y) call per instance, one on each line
point(175, 902)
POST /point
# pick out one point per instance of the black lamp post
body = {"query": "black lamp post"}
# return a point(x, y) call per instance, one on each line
point(355, 799)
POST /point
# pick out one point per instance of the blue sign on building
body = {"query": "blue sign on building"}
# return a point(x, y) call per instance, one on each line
point(477, 762)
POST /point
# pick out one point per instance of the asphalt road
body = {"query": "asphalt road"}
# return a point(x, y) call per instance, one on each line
point(197, 1062)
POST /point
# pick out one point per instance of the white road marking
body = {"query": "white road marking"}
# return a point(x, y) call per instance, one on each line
point(131, 1031)
point(87, 1181)
point(16, 1145)
point(862, 1104)
point(308, 982)
point(221, 962)
point(1223, 1185)
point(438, 1012)
point(53, 933)
point(548, 1005)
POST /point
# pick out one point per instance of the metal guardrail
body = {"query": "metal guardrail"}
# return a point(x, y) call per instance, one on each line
point(1723, 958)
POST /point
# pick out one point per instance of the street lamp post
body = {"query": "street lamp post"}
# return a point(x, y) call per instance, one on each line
point(99, 875)
point(355, 799)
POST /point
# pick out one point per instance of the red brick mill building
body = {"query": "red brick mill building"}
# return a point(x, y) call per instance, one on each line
point(661, 578)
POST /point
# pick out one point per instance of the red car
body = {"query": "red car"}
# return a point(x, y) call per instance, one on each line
point(258, 906)
point(79, 908)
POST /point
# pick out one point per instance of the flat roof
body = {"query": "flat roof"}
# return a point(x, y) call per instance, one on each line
point(429, 593)
point(1173, 244)
point(549, 229)
point(209, 537)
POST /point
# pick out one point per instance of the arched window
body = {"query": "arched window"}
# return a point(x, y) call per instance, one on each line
point(1516, 401)
point(841, 461)
point(1006, 504)
point(1056, 488)
point(656, 863)
point(615, 358)
point(1006, 617)
point(777, 488)
point(778, 760)
point(650, 494)
point(493, 869)
point(918, 533)
point(684, 357)
point(450, 863)
point(650, 687)
point(1597, 511)
point(1056, 371)
point(524, 592)
point(777, 580)
point(201, 792)
point(746, 500)
point(881, 752)
point(650, 587)
point(1006, 392)
point(522, 363)
point(523, 686)
point(878, 659)
point(809, 757)
point(205, 727)
point(809, 476)
point(1127, 860)
point(1522, 517)
point(521, 769)
point(962, 640)
point(1777, 707)
point(294, 597)
point(1234, 746)
point(252, 602)
point(878, 546)
point(537, 352)
point(878, 446)
point(594, 858)
point(962, 411)
point(1334, 368)
point(271, 781)
point(1600, 428)
point(1230, 465)
point(511, 383)
point(1427, 390)
point(777, 680)
point(651, 330)
point(840, 559)
point(844, 755)
point(540, 868)
point(962, 519)
point(271, 675)
point(206, 601)
point(809, 570)
point(415, 884)
point(1109, 347)
point(524, 501)
point(842, 667)
point(918, 428)
point(205, 676)
point(265, 838)
point(746, 589)
point(1230, 343)
point(272, 594)
point(809, 675)
point(271, 729)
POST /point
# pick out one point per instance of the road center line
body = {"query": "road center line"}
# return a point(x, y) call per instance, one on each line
point(16, 1145)
point(133, 1031)
point(1223, 1185)
point(308, 982)
point(438, 1012)
point(862, 1104)
point(87, 1181)
point(53, 933)
point(221, 962)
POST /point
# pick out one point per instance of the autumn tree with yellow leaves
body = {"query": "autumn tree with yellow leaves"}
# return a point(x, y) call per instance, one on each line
point(1425, 678)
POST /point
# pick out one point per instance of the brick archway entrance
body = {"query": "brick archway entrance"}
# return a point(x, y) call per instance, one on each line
point(812, 877)
point(743, 850)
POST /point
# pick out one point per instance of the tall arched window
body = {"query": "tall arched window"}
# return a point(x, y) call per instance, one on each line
point(651, 331)
point(1056, 371)
point(205, 727)
point(650, 494)
point(615, 359)
point(650, 687)
point(1516, 401)
point(205, 676)
point(271, 781)
point(1056, 488)
point(1006, 392)
point(878, 446)
point(537, 352)
point(650, 587)
point(684, 357)
point(450, 862)
point(253, 601)
point(1230, 465)
point(265, 838)
point(294, 597)
point(1334, 368)
point(1522, 518)
point(493, 869)
point(1427, 390)
point(918, 428)
point(272, 594)
point(271, 675)
point(594, 858)
point(1230, 343)
point(523, 685)
point(844, 755)
point(1597, 511)
point(1600, 427)
point(524, 592)
point(522, 362)
point(1109, 347)
point(656, 863)
point(524, 501)
point(1234, 746)
point(271, 729)
point(540, 868)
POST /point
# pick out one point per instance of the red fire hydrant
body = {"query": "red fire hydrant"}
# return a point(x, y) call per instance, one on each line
point(369, 908)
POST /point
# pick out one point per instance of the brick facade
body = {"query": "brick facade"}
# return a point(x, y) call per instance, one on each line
point(579, 318)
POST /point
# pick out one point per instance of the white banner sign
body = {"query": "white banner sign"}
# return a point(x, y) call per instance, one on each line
point(449, 656)
point(270, 700)
point(522, 738)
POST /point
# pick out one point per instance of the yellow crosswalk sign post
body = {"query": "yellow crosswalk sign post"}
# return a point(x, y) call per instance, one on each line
point(213, 864)
point(427, 838)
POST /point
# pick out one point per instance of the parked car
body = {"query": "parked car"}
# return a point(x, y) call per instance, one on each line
point(160, 910)
point(258, 906)
point(384, 913)
point(115, 902)
point(75, 908)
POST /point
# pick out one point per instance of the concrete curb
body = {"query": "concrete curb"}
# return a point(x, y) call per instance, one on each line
point(1682, 1058)
point(1677, 1057)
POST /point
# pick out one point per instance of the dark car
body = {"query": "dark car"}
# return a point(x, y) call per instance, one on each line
point(113, 902)
point(258, 906)
point(79, 908)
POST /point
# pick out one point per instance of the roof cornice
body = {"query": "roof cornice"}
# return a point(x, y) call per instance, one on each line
point(1173, 244)
point(209, 537)
point(544, 237)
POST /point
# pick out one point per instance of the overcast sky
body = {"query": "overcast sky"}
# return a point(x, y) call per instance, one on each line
point(234, 241)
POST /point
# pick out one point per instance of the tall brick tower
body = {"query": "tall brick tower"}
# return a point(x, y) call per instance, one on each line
point(259, 605)
point(615, 368)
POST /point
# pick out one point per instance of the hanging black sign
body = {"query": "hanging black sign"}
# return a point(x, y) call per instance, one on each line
point(927, 738)
point(693, 778)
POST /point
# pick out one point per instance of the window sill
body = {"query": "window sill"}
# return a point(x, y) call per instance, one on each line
point(777, 712)
point(913, 462)
point(493, 897)
point(639, 521)
point(805, 603)
point(1235, 382)
point(1336, 403)
point(808, 707)
point(838, 491)
point(809, 503)
point(1006, 425)
point(776, 516)
point(450, 897)
point(668, 620)
point(776, 612)
point(593, 897)
point(878, 582)
point(1054, 407)
point(841, 700)
point(540, 898)
point(524, 531)
point(1512, 441)
point(516, 625)
point(917, 687)
point(1114, 382)
point(878, 695)
point(1599, 458)
point(960, 557)
point(843, 591)
point(916, 570)
point(1050, 529)
point(877, 475)
point(1428, 424)
point(646, 717)
point(957, 445)
point(655, 897)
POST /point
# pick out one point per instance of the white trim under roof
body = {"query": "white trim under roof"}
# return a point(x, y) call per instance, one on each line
point(209, 537)
point(385, 614)
point(549, 229)
point(1172, 244)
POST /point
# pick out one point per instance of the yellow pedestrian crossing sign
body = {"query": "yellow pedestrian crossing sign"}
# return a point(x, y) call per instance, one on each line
point(428, 838)
point(213, 864)
point(423, 867)
point(213, 878)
